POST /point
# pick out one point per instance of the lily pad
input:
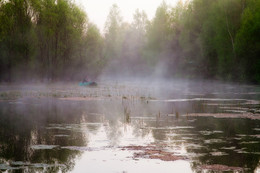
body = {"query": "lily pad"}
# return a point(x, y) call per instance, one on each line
point(43, 147)
point(218, 153)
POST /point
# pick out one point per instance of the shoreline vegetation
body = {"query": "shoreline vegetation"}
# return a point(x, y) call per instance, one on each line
point(54, 40)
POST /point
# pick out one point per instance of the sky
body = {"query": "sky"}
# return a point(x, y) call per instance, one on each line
point(97, 10)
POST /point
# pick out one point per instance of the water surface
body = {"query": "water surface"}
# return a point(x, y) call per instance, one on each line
point(130, 128)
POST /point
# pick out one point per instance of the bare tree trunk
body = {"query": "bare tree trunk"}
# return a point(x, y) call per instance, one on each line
point(9, 68)
point(9, 65)
point(243, 4)
point(230, 35)
point(48, 61)
point(55, 59)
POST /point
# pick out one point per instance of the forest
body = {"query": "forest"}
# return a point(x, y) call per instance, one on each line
point(53, 40)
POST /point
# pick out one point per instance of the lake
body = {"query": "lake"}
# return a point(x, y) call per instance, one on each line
point(128, 127)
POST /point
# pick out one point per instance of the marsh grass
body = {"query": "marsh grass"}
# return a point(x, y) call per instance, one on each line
point(177, 114)
point(10, 95)
point(127, 115)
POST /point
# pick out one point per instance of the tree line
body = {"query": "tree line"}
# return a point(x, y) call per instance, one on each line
point(53, 40)
point(46, 39)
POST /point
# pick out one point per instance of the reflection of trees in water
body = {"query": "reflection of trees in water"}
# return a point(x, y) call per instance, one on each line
point(57, 156)
point(23, 125)
point(15, 133)
point(119, 132)
point(230, 128)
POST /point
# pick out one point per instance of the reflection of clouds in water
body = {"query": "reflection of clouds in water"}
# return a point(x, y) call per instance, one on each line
point(115, 159)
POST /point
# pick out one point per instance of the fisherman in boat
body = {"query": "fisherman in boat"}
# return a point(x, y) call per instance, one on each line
point(87, 82)
point(85, 79)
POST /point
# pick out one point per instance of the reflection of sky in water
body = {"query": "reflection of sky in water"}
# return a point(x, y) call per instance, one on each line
point(118, 161)
point(104, 141)
point(119, 134)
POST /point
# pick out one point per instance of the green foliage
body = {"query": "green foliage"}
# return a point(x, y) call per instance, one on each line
point(248, 43)
point(61, 33)
point(213, 39)
point(124, 42)
point(46, 39)
point(113, 31)
point(15, 35)
point(94, 44)
point(157, 36)
point(53, 40)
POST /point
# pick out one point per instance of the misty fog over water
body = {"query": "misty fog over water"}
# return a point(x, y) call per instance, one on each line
point(178, 92)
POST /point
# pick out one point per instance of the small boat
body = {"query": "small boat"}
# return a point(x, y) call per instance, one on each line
point(87, 84)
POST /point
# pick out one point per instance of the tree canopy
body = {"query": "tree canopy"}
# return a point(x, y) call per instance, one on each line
point(54, 40)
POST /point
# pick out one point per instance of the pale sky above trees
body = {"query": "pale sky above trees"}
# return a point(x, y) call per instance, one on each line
point(98, 10)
